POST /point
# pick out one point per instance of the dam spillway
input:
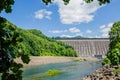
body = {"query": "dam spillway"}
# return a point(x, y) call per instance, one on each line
point(89, 47)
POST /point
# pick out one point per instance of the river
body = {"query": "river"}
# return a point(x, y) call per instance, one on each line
point(71, 70)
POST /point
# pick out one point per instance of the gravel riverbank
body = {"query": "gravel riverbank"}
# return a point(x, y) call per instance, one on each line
point(104, 73)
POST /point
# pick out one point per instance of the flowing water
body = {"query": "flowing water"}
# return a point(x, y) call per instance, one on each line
point(71, 71)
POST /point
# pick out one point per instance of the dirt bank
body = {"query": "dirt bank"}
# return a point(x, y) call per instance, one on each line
point(37, 60)
point(48, 59)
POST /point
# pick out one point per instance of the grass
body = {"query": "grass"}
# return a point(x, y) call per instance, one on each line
point(116, 71)
point(49, 73)
point(53, 72)
point(78, 60)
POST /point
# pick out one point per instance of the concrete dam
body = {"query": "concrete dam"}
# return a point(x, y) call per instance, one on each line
point(94, 47)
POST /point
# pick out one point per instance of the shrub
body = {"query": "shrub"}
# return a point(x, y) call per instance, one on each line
point(116, 71)
point(106, 61)
point(53, 72)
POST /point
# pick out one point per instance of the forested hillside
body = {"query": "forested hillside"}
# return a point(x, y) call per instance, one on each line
point(37, 44)
point(75, 37)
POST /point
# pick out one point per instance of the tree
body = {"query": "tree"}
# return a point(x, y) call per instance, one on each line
point(9, 37)
point(87, 1)
point(7, 4)
point(115, 35)
point(101, 2)
point(114, 47)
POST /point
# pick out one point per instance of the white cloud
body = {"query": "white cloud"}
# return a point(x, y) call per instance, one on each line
point(77, 11)
point(78, 34)
point(58, 31)
point(88, 31)
point(74, 30)
point(69, 36)
point(103, 26)
point(43, 13)
point(105, 30)
point(63, 35)
point(97, 37)
point(110, 25)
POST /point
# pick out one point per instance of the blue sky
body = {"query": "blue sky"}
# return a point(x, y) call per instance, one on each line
point(56, 19)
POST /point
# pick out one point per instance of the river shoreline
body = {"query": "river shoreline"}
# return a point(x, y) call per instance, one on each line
point(40, 60)
point(104, 73)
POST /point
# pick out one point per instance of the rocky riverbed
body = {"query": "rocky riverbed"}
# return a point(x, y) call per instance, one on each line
point(104, 73)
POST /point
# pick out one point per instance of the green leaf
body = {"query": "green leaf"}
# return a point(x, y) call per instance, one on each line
point(25, 59)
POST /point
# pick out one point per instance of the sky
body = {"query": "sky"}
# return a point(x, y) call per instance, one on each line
point(75, 19)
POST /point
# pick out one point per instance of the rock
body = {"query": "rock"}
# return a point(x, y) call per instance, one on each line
point(116, 78)
point(116, 67)
point(104, 73)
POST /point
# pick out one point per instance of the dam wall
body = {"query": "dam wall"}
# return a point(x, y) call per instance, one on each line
point(89, 47)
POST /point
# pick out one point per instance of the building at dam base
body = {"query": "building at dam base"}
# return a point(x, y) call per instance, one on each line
point(89, 47)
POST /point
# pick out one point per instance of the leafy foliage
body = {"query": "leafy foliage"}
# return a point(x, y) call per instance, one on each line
point(106, 61)
point(114, 47)
point(37, 44)
point(87, 1)
point(9, 37)
point(116, 71)
point(50, 1)
point(6, 5)
point(100, 1)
